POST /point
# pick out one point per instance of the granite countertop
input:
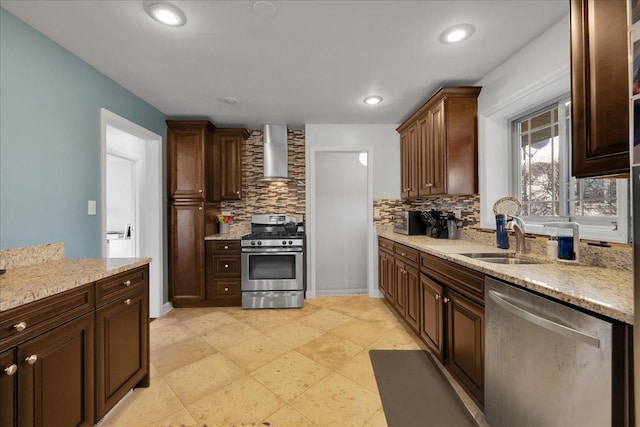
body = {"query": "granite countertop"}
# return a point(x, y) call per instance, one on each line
point(605, 291)
point(22, 285)
point(233, 235)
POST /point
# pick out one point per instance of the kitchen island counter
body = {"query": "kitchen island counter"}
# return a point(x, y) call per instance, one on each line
point(605, 291)
point(22, 285)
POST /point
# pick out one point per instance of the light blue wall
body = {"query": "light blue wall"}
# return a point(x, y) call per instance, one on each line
point(50, 104)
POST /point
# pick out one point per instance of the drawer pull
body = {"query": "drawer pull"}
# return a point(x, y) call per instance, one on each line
point(127, 301)
point(226, 247)
point(199, 191)
point(127, 283)
point(10, 370)
point(226, 266)
point(20, 326)
point(437, 296)
point(403, 254)
point(31, 359)
point(446, 300)
point(226, 289)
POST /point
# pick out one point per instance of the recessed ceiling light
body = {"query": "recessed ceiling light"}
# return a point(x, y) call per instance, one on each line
point(457, 33)
point(230, 100)
point(166, 13)
point(264, 9)
point(372, 100)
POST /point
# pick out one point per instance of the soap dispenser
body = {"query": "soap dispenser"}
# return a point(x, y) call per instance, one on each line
point(568, 240)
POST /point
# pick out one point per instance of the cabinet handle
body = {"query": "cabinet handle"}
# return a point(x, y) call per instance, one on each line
point(200, 208)
point(428, 185)
point(437, 296)
point(403, 254)
point(226, 266)
point(10, 370)
point(199, 191)
point(226, 289)
point(19, 327)
point(127, 301)
point(446, 300)
point(238, 193)
point(226, 247)
point(31, 359)
point(127, 283)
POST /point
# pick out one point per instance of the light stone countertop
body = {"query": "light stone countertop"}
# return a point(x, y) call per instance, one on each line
point(233, 235)
point(601, 290)
point(22, 285)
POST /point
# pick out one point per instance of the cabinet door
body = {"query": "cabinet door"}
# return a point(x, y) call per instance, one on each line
point(465, 342)
point(431, 316)
point(186, 252)
point(390, 282)
point(8, 388)
point(382, 272)
point(599, 88)
point(56, 376)
point(400, 300)
point(185, 161)
point(409, 162)
point(438, 150)
point(425, 154)
point(231, 167)
point(122, 348)
point(412, 315)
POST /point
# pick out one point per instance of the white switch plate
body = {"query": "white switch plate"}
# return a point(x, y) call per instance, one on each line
point(91, 207)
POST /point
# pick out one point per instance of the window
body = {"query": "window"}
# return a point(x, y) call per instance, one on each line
point(542, 179)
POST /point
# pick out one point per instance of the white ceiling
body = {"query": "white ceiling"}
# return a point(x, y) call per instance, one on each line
point(313, 62)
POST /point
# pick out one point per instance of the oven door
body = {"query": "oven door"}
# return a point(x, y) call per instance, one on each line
point(271, 269)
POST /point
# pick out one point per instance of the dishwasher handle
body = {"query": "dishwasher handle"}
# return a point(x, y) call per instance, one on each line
point(566, 331)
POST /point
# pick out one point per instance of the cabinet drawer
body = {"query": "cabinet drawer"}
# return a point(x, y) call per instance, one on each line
point(117, 286)
point(227, 288)
point(466, 281)
point(226, 246)
point(385, 244)
point(409, 255)
point(24, 322)
point(228, 266)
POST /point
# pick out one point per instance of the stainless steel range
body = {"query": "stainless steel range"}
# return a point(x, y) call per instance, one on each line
point(272, 263)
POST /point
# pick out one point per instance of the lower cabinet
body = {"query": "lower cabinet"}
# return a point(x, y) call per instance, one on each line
point(465, 342)
point(432, 316)
point(223, 273)
point(55, 376)
point(412, 314)
point(8, 388)
point(122, 349)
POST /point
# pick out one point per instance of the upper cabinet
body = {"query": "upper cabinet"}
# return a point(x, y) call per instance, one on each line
point(227, 176)
point(439, 145)
point(189, 143)
point(599, 88)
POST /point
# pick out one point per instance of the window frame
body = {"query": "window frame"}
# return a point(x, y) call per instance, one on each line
point(591, 228)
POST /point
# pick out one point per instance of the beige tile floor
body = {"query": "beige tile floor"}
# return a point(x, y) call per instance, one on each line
point(296, 367)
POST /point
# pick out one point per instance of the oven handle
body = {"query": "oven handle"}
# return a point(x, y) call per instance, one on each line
point(271, 250)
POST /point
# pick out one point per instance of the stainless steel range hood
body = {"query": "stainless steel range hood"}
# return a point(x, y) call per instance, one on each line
point(275, 153)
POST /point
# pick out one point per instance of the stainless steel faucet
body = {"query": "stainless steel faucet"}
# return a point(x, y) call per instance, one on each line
point(518, 229)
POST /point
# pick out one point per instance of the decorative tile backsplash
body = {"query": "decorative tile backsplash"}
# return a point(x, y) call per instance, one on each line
point(468, 205)
point(268, 197)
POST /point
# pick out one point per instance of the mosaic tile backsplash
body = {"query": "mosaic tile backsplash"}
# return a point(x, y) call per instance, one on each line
point(268, 197)
point(469, 207)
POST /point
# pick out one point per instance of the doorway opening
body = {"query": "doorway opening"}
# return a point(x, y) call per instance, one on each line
point(130, 147)
point(340, 221)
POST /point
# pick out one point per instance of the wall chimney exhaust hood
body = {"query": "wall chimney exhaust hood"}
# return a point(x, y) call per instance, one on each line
point(275, 153)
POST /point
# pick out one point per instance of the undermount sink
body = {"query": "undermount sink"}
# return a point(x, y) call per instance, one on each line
point(503, 258)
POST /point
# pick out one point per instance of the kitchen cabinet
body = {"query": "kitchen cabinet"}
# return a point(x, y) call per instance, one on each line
point(439, 145)
point(386, 268)
point(223, 273)
point(599, 88)
point(432, 316)
point(122, 337)
point(227, 163)
point(8, 388)
point(186, 252)
point(405, 287)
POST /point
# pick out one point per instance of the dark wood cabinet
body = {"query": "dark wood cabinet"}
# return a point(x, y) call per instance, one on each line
point(228, 163)
point(400, 299)
point(8, 388)
point(189, 145)
point(223, 263)
point(439, 145)
point(386, 270)
point(56, 376)
point(432, 315)
point(465, 342)
point(186, 252)
point(412, 314)
point(599, 88)
point(122, 339)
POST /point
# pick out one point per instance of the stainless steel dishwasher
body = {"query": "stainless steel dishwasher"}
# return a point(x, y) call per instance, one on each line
point(545, 364)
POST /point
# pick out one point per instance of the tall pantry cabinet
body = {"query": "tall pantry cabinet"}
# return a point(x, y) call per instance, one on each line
point(189, 145)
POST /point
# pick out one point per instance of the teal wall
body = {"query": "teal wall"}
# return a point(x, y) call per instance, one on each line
point(50, 103)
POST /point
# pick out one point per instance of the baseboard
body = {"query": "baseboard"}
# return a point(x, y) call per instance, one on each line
point(166, 307)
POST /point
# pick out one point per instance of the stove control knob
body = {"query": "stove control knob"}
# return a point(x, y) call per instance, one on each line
point(290, 242)
point(259, 243)
point(253, 243)
point(284, 242)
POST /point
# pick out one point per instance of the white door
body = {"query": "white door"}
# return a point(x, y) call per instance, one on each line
point(121, 208)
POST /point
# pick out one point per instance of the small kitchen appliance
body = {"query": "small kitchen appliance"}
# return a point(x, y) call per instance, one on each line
point(409, 223)
point(436, 224)
point(272, 263)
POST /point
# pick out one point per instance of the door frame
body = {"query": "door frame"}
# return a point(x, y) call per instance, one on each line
point(310, 223)
point(150, 231)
